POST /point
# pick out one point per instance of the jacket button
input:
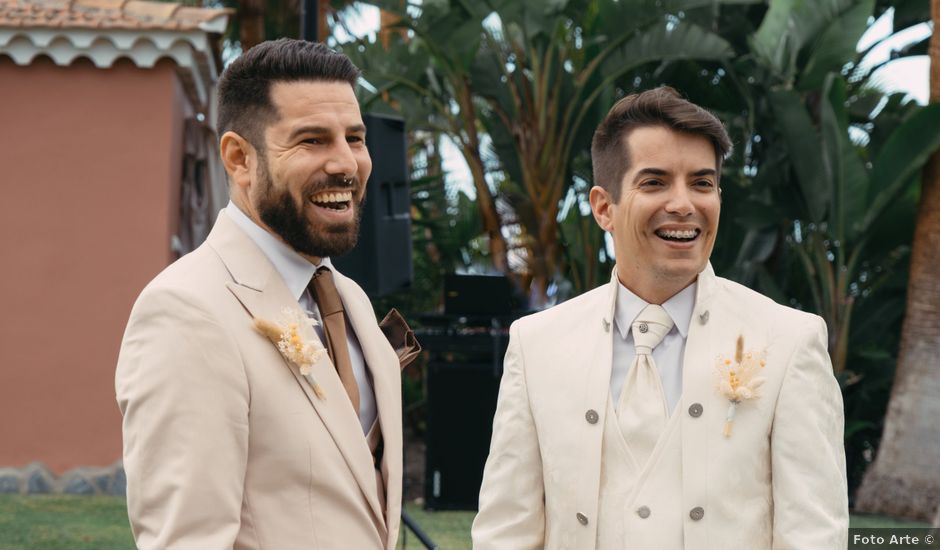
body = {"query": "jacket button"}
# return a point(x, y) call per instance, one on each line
point(697, 513)
point(643, 512)
point(582, 519)
point(591, 416)
point(695, 410)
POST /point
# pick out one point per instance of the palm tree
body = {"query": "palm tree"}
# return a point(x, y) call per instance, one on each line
point(525, 83)
point(903, 480)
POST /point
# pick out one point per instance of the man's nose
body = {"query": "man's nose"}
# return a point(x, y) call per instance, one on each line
point(680, 202)
point(342, 161)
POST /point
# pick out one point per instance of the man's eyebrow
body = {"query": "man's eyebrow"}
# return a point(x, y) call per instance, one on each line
point(660, 172)
point(323, 130)
point(650, 172)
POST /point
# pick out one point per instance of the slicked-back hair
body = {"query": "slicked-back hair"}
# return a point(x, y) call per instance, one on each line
point(245, 105)
point(661, 106)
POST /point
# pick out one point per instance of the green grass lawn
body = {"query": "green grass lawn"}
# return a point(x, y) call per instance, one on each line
point(63, 522)
point(46, 522)
point(100, 523)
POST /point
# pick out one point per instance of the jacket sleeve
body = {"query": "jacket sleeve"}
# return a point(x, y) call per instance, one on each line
point(183, 393)
point(807, 452)
point(512, 498)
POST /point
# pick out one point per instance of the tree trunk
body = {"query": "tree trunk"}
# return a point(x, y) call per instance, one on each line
point(323, 24)
point(387, 20)
point(903, 480)
point(250, 15)
point(486, 203)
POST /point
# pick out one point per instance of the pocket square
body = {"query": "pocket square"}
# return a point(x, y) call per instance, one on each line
point(401, 337)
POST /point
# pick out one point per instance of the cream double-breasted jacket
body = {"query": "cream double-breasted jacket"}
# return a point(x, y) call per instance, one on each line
point(778, 482)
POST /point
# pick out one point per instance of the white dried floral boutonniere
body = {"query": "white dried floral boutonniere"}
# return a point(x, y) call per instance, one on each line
point(286, 336)
point(738, 379)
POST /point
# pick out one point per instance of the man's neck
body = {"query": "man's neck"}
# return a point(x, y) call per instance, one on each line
point(654, 291)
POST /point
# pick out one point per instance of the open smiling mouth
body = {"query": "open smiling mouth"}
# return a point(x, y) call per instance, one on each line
point(339, 201)
point(678, 236)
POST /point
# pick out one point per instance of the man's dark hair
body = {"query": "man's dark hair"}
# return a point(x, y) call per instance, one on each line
point(661, 106)
point(245, 105)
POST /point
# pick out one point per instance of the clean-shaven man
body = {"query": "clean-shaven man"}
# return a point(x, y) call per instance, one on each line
point(671, 408)
point(246, 425)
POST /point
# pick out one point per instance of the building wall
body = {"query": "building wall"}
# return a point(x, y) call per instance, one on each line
point(89, 172)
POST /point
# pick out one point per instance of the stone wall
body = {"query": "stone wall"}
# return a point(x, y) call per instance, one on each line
point(36, 479)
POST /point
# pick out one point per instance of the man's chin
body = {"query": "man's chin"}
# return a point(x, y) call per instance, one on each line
point(682, 269)
point(330, 241)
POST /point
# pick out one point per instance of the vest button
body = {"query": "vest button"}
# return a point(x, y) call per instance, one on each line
point(643, 512)
point(591, 416)
point(582, 519)
point(697, 513)
point(695, 410)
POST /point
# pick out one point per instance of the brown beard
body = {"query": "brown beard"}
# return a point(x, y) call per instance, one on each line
point(280, 211)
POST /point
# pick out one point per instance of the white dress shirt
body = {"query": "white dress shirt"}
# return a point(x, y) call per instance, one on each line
point(667, 355)
point(297, 272)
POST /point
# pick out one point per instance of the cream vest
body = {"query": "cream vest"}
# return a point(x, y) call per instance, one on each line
point(633, 513)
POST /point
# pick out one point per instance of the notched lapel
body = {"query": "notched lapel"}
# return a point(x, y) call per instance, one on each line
point(382, 363)
point(334, 408)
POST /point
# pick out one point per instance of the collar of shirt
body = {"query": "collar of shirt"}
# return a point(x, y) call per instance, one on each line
point(293, 268)
point(679, 307)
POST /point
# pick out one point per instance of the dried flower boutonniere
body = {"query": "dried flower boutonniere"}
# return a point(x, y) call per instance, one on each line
point(287, 338)
point(738, 379)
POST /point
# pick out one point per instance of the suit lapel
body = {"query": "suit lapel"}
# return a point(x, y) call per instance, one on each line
point(262, 292)
point(383, 365)
point(597, 336)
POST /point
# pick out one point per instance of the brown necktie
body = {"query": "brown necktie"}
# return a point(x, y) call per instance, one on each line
point(334, 326)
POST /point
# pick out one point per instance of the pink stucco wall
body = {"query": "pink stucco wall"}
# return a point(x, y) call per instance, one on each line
point(89, 172)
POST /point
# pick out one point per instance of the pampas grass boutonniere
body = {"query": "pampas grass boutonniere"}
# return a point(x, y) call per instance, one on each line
point(287, 338)
point(739, 378)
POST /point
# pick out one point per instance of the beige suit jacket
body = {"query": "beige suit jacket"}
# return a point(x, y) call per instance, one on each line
point(778, 482)
point(225, 443)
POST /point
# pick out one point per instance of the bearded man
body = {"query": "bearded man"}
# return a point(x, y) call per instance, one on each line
point(261, 401)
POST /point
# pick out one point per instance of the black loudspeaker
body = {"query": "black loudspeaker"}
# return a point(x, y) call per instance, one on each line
point(477, 295)
point(381, 261)
point(461, 403)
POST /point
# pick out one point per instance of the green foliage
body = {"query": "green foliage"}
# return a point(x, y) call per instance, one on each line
point(832, 162)
point(535, 78)
point(818, 201)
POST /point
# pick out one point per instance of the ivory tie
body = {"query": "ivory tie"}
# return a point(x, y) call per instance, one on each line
point(334, 327)
point(642, 409)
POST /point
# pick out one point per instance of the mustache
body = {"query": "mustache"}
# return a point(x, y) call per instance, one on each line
point(333, 182)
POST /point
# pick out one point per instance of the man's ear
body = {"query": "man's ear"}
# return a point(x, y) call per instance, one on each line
point(602, 206)
point(237, 157)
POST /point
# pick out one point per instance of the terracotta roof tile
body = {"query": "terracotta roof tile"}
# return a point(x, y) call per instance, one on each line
point(105, 14)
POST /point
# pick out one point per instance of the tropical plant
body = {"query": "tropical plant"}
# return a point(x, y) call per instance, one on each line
point(818, 201)
point(903, 479)
point(822, 217)
point(529, 76)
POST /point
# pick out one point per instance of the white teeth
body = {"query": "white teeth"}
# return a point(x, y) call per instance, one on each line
point(333, 197)
point(676, 234)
